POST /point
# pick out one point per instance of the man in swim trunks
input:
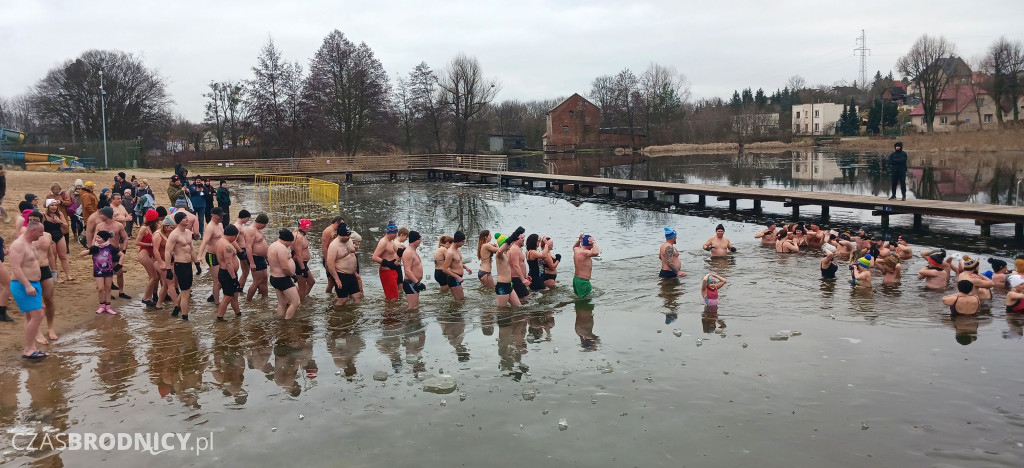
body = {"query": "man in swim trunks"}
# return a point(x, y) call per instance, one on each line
point(256, 249)
point(178, 249)
point(583, 253)
point(669, 256)
point(240, 246)
point(719, 245)
point(503, 274)
point(25, 286)
point(227, 275)
point(767, 236)
point(413, 266)
point(300, 256)
point(341, 265)
point(517, 262)
point(211, 237)
point(453, 266)
point(386, 255)
point(326, 236)
point(282, 274)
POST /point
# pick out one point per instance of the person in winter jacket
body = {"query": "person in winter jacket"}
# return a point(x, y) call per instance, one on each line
point(898, 170)
point(224, 196)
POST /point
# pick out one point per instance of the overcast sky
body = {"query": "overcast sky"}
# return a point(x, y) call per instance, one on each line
point(536, 49)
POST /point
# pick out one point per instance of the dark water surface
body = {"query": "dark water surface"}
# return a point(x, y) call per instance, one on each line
point(876, 378)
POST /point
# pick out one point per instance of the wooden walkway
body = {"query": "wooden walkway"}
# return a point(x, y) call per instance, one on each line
point(983, 215)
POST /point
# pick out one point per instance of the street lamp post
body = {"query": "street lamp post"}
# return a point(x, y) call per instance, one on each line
point(103, 117)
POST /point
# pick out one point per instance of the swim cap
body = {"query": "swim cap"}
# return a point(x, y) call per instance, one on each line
point(585, 241)
point(669, 233)
point(865, 261)
point(244, 214)
point(231, 230)
point(829, 248)
point(262, 218)
point(107, 211)
point(501, 239)
point(1015, 280)
point(151, 215)
point(343, 230)
point(285, 235)
point(414, 236)
point(305, 224)
point(970, 263)
point(105, 235)
point(720, 228)
point(25, 213)
point(997, 264)
point(391, 228)
point(161, 211)
point(168, 222)
point(459, 236)
point(770, 224)
point(988, 274)
point(179, 217)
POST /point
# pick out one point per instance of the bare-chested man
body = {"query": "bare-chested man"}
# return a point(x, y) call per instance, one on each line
point(844, 247)
point(25, 287)
point(815, 237)
point(503, 291)
point(105, 221)
point(207, 249)
point(240, 247)
point(583, 253)
point(386, 254)
point(453, 266)
point(719, 245)
point(282, 274)
point(300, 255)
point(936, 273)
point(767, 236)
point(178, 249)
point(669, 256)
point(862, 271)
point(227, 275)
point(326, 236)
point(43, 245)
point(341, 265)
point(413, 266)
point(256, 250)
point(517, 262)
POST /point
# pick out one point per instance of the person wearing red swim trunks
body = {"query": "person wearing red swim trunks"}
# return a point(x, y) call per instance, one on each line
point(386, 255)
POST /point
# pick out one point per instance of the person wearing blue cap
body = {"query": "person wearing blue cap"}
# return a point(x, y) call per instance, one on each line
point(386, 254)
point(767, 236)
point(670, 265)
point(583, 255)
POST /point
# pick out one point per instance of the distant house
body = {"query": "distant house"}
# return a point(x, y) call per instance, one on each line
point(175, 144)
point(957, 71)
point(499, 143)
point(816, 118)
point(576, 123)
point(756, 124)
point(897, 93)
point(959, 105)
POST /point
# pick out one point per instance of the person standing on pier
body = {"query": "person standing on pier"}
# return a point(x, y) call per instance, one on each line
point(898, 170)
point(386, 255)
point(669, 256)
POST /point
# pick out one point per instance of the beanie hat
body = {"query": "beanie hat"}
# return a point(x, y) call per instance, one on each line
point(669, 233)
point(179, 217)
point(865, 261)
point(500, 238)
point(937, 258)
point(231, 230)
point(414, 236)
point(285, 235)
point(343, 230)
point(168, 222)
point(970, 263)
point(459, 236)
point(585, 241)
point(997, 264)
point(107, 211)
point(151, 215)
point(244, 214)
point(262, 218)
point(391, 228)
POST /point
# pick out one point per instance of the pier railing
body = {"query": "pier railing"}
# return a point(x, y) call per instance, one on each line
point(336, 163)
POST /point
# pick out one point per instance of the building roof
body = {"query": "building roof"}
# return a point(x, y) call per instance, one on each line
point(954, 100)
point(953, 66)
point(569, 98)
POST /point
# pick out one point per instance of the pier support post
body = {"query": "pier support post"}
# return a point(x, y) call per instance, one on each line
point(757, 206)
point(919, 225)
point(732, 204)
point(986, 230)
point(824, 213)
point(885, 220)
point(675, 198)
point(348, 177)
point(1018, 231)
point(796, 212)
point(650, 195)
point(702, 201)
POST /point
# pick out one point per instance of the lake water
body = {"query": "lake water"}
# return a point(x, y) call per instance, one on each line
point(876, 377)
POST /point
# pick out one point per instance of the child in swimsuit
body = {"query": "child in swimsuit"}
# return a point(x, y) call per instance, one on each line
point(709, 287)
point(105, 259)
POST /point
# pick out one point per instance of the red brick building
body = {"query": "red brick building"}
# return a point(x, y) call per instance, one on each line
point(576, 123)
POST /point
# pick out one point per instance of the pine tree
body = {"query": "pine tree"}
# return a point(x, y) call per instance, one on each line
point(875, 117)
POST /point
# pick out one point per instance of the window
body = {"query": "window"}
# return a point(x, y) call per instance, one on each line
point(565, 129)
point(942, 120)
point(988, 118)
point(980, 101)
point(798, 114)
point(816, 113)
point(967, 120)
point(572, 114)
point(816, 125)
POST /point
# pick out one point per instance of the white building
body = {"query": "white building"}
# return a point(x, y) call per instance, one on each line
point(817, 118)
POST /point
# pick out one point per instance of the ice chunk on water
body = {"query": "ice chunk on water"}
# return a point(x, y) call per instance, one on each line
point(563, 424)
point(529, 393)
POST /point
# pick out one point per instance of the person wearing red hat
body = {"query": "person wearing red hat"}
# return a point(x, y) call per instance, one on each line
point(936, 273)
point(300, 255)
point(146, 257)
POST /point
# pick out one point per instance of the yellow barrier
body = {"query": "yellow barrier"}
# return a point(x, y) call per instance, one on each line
point(290, 198)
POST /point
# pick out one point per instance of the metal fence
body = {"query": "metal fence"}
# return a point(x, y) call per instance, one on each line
point(334, 163)
point(291, 198)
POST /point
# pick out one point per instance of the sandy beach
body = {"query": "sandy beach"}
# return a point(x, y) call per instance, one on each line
point(75, 300)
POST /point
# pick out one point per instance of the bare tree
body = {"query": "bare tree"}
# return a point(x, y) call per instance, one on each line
point(347, 93)
point(465, 92)
point(1004, 63)
point(509, 116)
point(664, 91)
point(796, 83)
point(426, 96)
point(273, 96)
point(923, 65)
point(405, 109)
point(627, 98)
point(602, 93)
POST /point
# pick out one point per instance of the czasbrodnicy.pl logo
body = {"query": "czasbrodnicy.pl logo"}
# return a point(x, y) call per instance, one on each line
point(151, 442)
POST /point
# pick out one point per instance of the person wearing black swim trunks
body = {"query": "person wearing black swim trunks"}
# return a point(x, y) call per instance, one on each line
point(453, 266)
point(439, 255)
point(211, 237)
point(256, 245)
point(227, 275)
point(301, 257)
point(517, 262)
point(178, 248)
point(341, 265)
point(671, 267)
point(282, 274)
point(503, 274)
point(44, 247)
point(413, 266)
point(240, 246)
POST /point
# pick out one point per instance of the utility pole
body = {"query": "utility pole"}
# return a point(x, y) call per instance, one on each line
point(103, 117)
point(864, 52)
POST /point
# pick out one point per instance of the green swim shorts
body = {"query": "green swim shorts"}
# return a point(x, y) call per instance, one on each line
point(581, 287)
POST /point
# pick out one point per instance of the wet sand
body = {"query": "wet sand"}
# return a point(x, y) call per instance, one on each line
point(76, 301)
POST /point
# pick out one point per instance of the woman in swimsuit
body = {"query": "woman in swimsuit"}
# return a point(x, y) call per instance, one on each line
point(550, 264)
point(963, 302)
point(54, 223)
point(442, 248)
point(709, 289)
point(147, 258)
point(163, 267)
point(828, 264)
point(533, 256)
point(784, 244)
point(892, 270)
point(485, 251)
point(1015, 296)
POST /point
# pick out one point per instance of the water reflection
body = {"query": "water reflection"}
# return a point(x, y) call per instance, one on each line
point(511, 343)
point(585, 325)
point(344, 340)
